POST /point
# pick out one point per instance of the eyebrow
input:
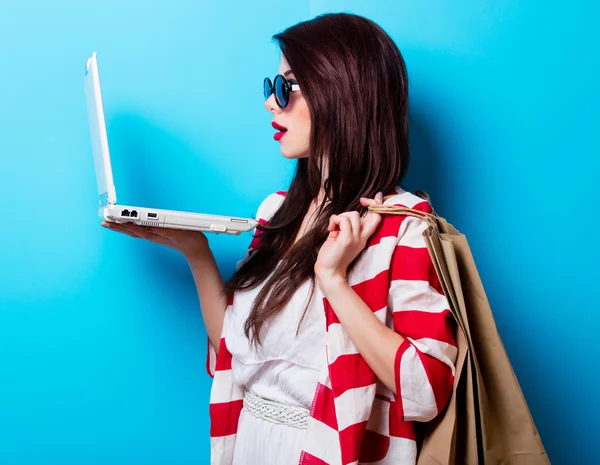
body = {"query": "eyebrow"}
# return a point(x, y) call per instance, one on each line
point(289, 71)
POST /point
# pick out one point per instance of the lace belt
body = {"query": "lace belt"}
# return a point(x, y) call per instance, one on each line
point(275, 412)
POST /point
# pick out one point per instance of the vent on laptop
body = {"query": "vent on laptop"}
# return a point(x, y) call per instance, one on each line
point(148, 223)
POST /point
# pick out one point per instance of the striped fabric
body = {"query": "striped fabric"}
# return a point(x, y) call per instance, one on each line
point(354, 418)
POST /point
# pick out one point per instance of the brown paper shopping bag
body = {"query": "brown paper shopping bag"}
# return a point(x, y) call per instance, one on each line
point(486, 421)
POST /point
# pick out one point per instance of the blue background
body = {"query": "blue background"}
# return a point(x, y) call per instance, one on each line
point(102, 347)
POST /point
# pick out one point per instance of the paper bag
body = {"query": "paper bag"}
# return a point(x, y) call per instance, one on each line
point(486, 421)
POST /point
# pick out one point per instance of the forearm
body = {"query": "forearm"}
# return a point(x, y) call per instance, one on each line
point(376, 343)
point(210, 286)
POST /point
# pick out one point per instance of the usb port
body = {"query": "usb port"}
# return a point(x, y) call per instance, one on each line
point(152, 216)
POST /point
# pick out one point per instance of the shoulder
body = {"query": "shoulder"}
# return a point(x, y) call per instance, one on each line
point(269, 206)
point(407, 199)
point(403, 227)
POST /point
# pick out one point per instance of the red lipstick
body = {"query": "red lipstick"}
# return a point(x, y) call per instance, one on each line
point(280, 128)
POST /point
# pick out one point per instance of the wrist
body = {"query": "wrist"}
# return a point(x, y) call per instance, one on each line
point(330, 282)
point(199, 256)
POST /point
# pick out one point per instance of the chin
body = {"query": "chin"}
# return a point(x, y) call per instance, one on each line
point(292, 155)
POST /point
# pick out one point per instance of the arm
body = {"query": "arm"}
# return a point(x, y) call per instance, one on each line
point(210, 284)
point(416, 358)
point(195, 248)
point(424, 363)
point(363, 327)
point(213, 301)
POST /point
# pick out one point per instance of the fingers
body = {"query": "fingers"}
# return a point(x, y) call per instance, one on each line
point(355, 222)
point(374, 219)
point(352, 225)
point(342, 225)
point(346, 232)
point(366, 202)
point(332, 224)
point(333, 229)
point(121, 229)
point(370, 225)
point(378, 200)
point(132, 230)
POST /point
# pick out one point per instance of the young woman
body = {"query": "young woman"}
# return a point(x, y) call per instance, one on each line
point(333, 336)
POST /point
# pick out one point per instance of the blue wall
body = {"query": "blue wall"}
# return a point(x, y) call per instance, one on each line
point(503, 113)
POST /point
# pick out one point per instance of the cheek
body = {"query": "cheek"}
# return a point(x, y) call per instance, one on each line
point(299, 116)
point(304, 119)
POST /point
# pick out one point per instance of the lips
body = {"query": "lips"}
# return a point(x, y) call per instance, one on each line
point(278, 126)
point(282, 131)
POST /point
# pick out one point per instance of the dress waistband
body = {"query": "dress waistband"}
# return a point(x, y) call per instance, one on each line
point(275, 412)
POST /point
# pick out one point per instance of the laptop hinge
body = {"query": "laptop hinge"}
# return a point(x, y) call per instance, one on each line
point(103, 200)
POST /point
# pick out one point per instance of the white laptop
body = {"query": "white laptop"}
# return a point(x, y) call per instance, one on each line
point(107, 194)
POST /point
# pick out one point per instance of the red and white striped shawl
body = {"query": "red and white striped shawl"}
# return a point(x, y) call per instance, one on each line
point(354, 417)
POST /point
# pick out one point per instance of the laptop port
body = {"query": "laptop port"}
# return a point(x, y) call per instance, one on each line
point(152, 216)
point(134, 214)
point(126, 213)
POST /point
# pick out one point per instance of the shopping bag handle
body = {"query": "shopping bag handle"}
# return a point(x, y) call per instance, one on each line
point(396, 210)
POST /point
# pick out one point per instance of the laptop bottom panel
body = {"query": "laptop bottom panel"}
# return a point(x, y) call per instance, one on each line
point(143, 216)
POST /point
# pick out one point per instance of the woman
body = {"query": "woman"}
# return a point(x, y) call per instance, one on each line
point(333, 336)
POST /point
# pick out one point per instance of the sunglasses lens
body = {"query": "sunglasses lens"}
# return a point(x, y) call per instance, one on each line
point(281, 93)
point(267, 86)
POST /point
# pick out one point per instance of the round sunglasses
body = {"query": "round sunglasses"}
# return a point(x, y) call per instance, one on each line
point(281, 88)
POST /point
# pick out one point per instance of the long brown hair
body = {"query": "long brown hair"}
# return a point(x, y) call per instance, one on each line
point(354, 80)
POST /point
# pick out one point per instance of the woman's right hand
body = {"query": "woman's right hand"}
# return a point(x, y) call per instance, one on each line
point(189, 243)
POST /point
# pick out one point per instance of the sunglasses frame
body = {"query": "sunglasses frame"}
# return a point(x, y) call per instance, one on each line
point(287, 88)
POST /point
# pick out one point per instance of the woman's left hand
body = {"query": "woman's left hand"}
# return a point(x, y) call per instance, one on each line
point(348, 236)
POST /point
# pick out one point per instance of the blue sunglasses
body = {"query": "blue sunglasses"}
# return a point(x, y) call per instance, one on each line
point(281, 88)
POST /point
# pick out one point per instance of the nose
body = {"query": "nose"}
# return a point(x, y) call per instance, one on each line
point(271, 105)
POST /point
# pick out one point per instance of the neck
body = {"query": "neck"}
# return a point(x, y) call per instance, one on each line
point(324, 169)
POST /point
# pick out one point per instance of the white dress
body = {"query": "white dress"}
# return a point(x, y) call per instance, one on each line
point(283, 369)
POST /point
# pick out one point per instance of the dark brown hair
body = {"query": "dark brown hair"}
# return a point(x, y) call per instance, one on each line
point(353, 78)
